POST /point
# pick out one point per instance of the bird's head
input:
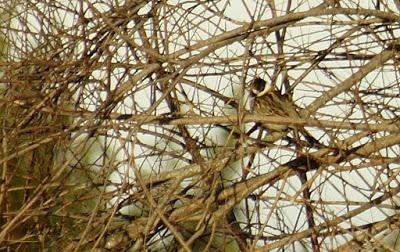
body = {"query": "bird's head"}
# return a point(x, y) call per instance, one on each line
point(260, 87)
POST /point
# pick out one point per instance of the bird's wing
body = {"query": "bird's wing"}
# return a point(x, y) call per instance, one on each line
point(286, 105)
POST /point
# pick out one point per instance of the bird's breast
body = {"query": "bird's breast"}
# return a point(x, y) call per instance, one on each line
point(275, 105)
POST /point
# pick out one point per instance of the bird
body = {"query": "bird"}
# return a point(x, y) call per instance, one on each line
point(269, 101)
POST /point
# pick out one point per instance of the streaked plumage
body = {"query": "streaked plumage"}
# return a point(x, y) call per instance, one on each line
point(268, 101)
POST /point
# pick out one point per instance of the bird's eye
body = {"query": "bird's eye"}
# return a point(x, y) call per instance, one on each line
point(259, 84)
point(260, 87)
